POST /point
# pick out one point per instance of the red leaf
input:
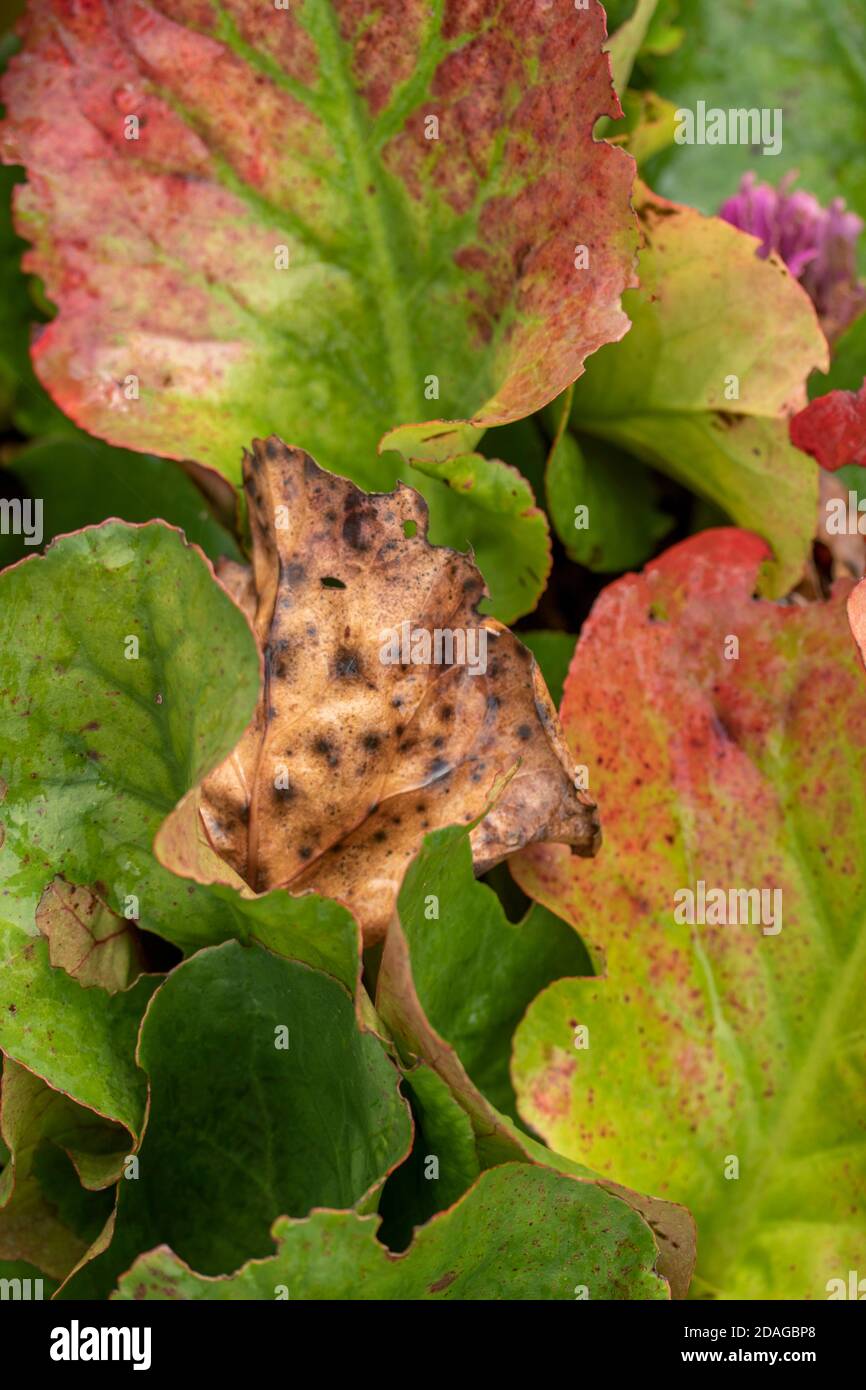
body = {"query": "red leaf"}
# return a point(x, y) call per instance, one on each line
point(833, 429)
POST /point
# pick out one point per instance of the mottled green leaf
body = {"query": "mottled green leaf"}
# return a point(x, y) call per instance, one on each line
point(723, 1061)
point(721, 343)
point(524, 445)
point(81, 1040)
point(520, 1233)
point(113, 701)
point(87, 940)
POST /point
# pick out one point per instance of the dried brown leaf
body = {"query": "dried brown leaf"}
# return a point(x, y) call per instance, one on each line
point(350, 759)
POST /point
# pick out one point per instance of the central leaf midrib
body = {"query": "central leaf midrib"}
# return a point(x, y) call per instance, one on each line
point(348, 127)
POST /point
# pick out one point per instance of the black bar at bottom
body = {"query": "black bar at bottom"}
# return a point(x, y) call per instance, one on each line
point(259, 1339)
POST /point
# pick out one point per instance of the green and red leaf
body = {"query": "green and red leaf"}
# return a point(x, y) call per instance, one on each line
point(246, 229)
point(726, 741)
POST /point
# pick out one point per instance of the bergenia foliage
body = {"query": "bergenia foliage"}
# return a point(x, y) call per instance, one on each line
point(725, 918)
point(708, 407)
point(334, 963)
point(324, 223)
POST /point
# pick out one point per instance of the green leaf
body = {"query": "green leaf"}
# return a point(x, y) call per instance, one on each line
point(82, 1041)
point(495, 507)
point(650, 125)
point(82, 481)
point(265, 1100)
point(625, 45)
point(848, 363)
point(474, 971)
point(443, 1163)
point(114, 703)
point(660, 394)
point(57, 1149)
point(524, 445)
point(622, 519)
point(492, 968)
point(723, 1063)
point(807, 60)
point(520, 1233)
point(286, 244)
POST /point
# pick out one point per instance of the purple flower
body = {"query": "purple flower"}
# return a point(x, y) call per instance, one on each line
point(818, 245)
